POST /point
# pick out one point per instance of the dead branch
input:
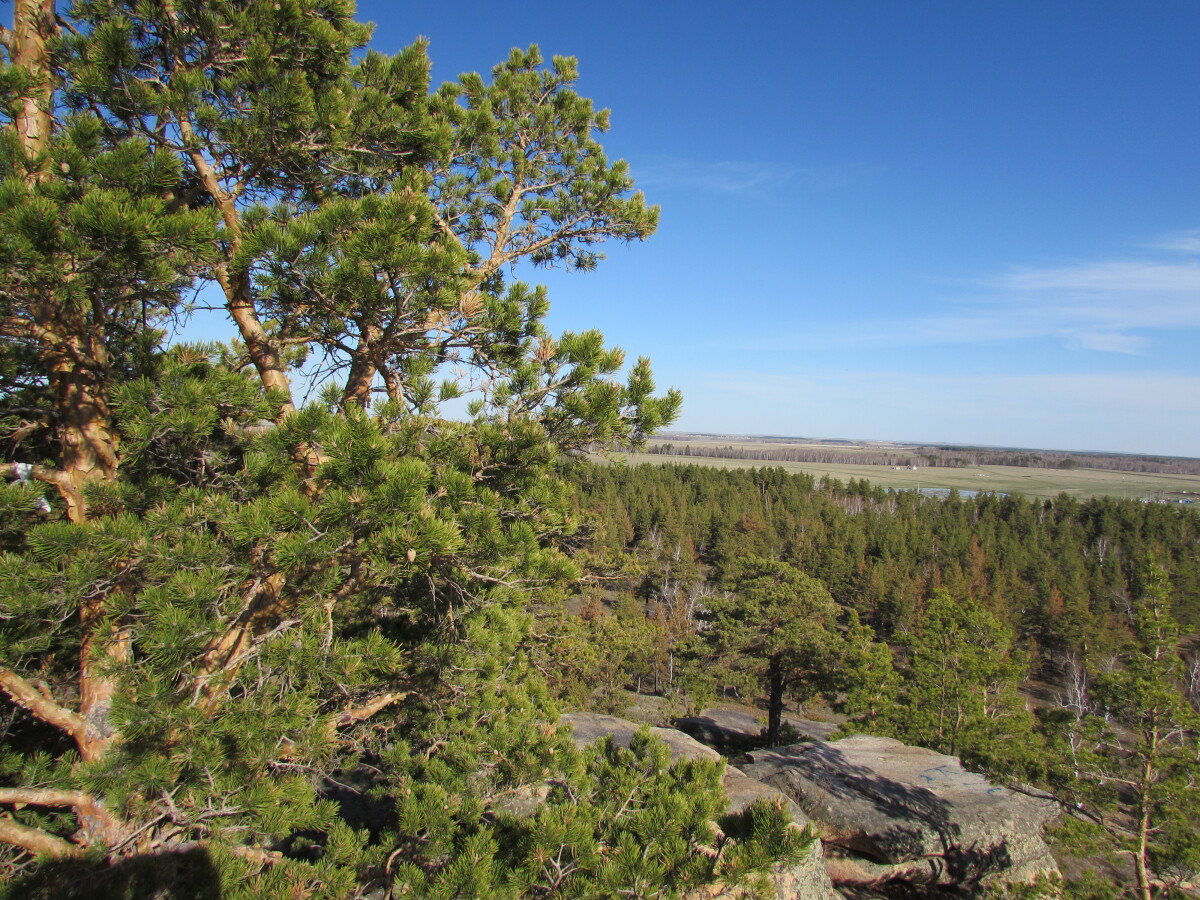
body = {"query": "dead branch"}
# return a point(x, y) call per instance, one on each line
point(60, 479)
point(354, 714)
point(256, 854)
point(37, 473)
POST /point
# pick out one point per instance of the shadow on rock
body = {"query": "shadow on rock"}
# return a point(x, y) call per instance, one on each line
point(897, 813)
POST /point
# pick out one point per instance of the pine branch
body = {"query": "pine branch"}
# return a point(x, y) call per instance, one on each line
point(353, 714)
point(35, 840)
point(97, 823)
point(45, 474)
point(42, 705)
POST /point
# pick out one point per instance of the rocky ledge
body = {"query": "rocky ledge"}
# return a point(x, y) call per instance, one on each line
point(891, 813)
point(890, 816)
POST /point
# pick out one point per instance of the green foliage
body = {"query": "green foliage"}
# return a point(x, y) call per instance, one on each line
point(960, 678)
point(623, 822)
point(973, 596)
point(1137, 753)
point(525, 139)
point(773, 630)
point(590, 658)
point(285, 651)
point(869, 682)
point(278, 651)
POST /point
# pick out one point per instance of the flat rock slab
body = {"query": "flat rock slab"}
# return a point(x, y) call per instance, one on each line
point(587, 728)
point(908, 813)
point(811, 728)
point(724, 728)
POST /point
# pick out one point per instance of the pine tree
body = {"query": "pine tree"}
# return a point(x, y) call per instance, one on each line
point(774, 631)
point(959, 680)
point(1146, 741)
point(247, 602)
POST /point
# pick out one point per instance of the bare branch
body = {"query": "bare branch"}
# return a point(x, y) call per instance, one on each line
point(353, 714)
point(46, 474)
point(35, 840)
point(67, 489)
point(256, 854)
point(42, 705)
point(96, 823)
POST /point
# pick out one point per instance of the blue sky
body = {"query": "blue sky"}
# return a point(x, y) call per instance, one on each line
point(970, 222)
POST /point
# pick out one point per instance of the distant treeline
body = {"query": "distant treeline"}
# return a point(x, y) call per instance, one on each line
point(1062, 573)
point(946, 457)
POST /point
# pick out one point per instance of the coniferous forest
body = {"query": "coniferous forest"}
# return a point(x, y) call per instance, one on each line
point(294, 614)
point(1049, 643)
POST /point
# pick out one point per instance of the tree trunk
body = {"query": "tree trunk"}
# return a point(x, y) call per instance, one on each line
point(86, 436)
point(104, 646)
point(239, 299)
point(33, 25)
point(363, 369)
point(78, 376)
point(266, 358)
point(1145, 802)
point(776, 683)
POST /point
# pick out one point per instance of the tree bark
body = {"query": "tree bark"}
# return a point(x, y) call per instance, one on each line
point(36, 841)
point(97, 826)
point(236, 286)
point(224, 656)
point(104, 646)
point(87, 440)
point(357, 391)
point(1147, 777)
point(266, 358)
point(33, 25)
point(776, 683)
point(39, 703)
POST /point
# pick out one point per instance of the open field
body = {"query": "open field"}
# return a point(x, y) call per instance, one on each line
point(767, 443)
point(1081, 482)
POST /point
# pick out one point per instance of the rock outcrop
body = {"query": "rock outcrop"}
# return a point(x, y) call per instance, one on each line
point(806, 880)
point(891, 813)
point(736, 731)
point(891, 816)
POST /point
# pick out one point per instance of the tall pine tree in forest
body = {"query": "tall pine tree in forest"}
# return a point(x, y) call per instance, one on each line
point(959, 683)
point(228, 603)
point(773, 632)
point(1137, 770)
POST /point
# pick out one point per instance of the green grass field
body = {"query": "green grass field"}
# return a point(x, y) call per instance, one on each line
point(1081, 482)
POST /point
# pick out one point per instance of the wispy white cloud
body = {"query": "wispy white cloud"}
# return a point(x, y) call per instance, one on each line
point(1179, 242)
point(1105, 306)
point(740, 177)
point(1131, 344)
point(1138, 277)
